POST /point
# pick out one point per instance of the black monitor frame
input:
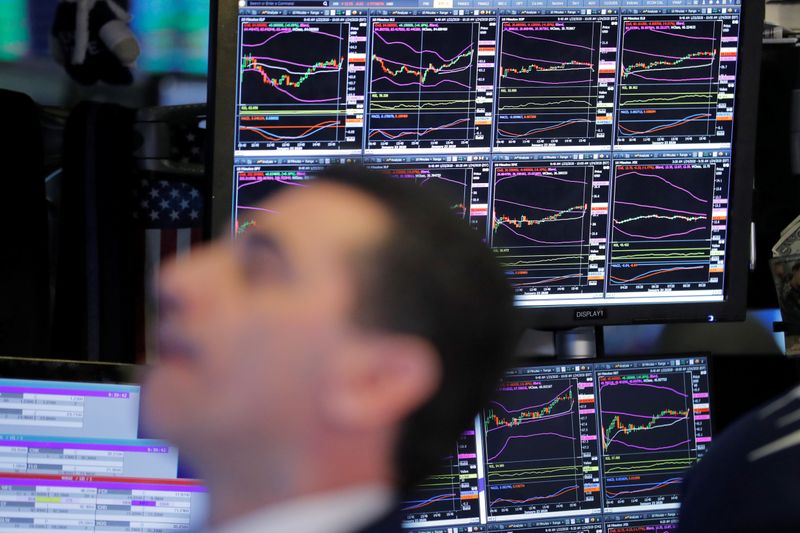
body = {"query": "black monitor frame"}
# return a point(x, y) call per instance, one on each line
point(68, 370)
point(222, 106)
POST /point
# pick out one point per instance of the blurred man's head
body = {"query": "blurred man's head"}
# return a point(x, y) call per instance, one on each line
point(358, 320)
point(795, 280)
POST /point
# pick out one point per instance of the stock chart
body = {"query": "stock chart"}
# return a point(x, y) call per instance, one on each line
point(451, 492)
point(463, 185)
point(553, 87)
point(672, 82)
point(545, 217)
point(427, 88)
point(297, 87)
point(653, 426)
point(590, 148)
point(663, 224)
point(540, 436)
point(257, 182)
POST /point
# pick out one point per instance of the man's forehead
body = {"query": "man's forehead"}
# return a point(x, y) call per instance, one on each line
point(327, 213)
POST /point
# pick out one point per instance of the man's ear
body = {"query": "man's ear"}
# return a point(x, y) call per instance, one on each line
point(382, 381)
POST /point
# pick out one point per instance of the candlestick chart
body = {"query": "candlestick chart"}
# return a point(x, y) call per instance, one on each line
point(548, 82)
point(534, 455)
point(295, 83)
point(647, 436)
point(661, 224)
point(670, 82)
point(541, 216)
point(423, 84)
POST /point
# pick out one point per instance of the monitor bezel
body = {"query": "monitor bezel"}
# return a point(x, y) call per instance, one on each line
point(69, 371)
point(222, 118)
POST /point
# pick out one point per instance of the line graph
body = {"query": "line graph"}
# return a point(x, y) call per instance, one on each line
point(551, 88)
point(647, 433)
point(463, 187)
point(670, 82)
point(424, 78)
point(543, 223)
point(661, 227)
point(254, 184)
point(297, 87)
point(452, 492)
point(535, 439)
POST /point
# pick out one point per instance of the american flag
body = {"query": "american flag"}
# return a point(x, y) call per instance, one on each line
point(170, 215)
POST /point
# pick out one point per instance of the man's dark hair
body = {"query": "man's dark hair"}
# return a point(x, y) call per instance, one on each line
point(434, 278)
point(795, 267)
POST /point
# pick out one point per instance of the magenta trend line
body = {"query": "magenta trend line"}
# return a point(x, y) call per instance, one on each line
point(534, 420)
point(645, 206)
point(647, 385)
point(538, 82)
point(653, 449)
point(548, 434)
point(424, 51)
point(659, 237)
point(417, 67)
point(442, 178)
point(291, 31)
point(386, 78)
point(293, 97)
point(665, 56)
point(267, 40)
point(301, 65)
point(538, 175)
point(528, 207)
point(538, 241)
point(509, 411)
point(513, 32)
point(642, 416)
point(665, 181)
point(255, 208)
point(444, 60)
point(286, 181)
point(533, 59)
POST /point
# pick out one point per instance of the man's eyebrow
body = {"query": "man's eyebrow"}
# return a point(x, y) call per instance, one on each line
point(261, 242)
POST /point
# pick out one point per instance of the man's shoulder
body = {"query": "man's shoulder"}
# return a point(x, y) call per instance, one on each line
point(746, 482)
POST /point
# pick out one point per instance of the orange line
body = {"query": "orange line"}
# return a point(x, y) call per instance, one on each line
point(308, 129)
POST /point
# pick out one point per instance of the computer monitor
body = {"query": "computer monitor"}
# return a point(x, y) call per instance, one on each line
point(602, 148)
point(578, 447)
point(71, 455)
